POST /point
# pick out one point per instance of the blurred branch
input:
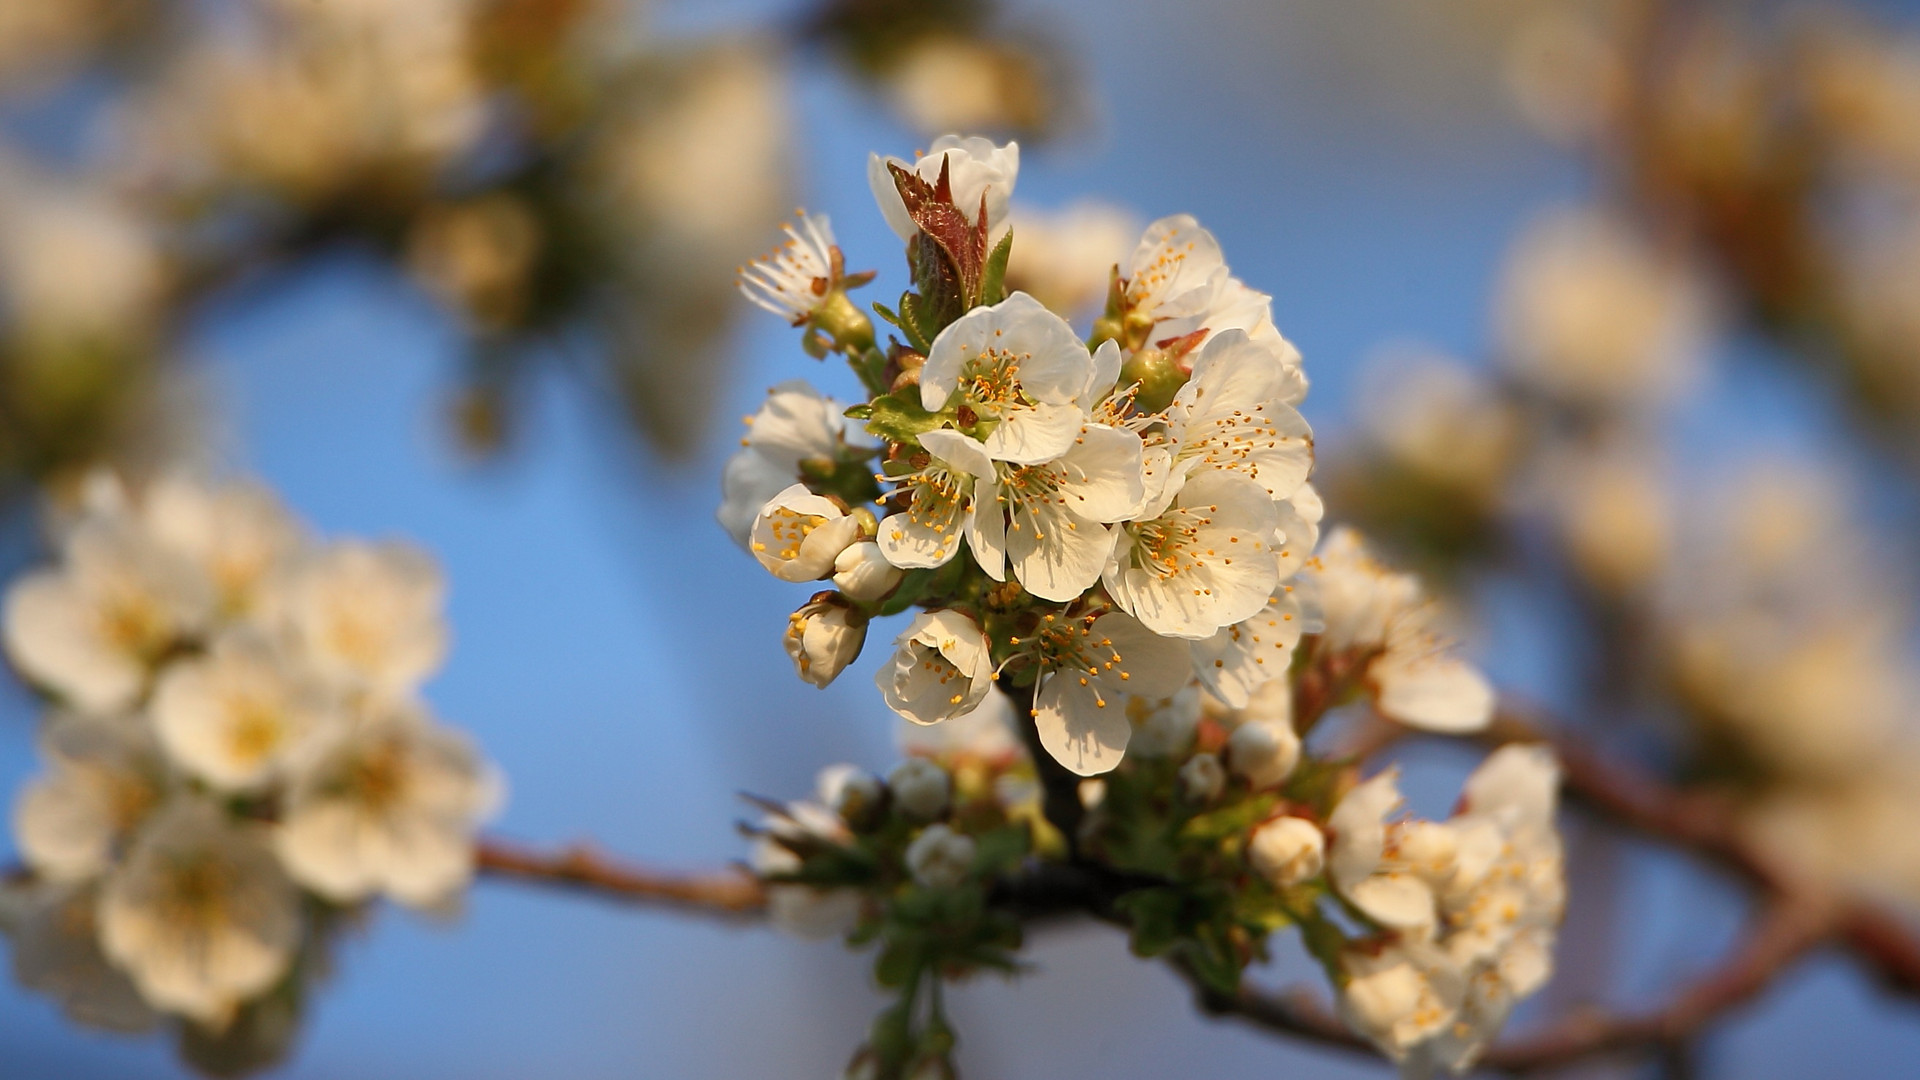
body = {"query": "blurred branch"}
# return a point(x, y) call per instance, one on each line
point(1784, 932)
point(731, 894)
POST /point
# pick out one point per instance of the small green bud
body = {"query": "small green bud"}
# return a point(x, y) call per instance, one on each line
point(1158, 375)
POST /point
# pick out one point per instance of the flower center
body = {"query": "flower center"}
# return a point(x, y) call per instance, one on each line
point(991, 381)
point(939, 496)
point(790, 529)
point(1169, 544)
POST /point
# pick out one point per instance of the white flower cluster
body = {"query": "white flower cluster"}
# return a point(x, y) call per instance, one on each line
point(1468, 908)
point(1146, 492)
point(235, 724)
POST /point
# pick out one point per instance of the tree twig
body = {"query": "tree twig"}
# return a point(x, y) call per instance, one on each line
point(732, 894)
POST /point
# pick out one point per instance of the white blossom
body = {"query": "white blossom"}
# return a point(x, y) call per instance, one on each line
point(201, 915)
point(921, 789)
point(943, 504)
point(1413, 673)
point(1164, 727)
point(805, 911)
point(1204, 562)
point(238, 534)
point(940, 858)
point(1238, 660)
point(1287, 851)
point(1177, 282)
point(976, 170)
point(239, 715)
point(1263, 753)
point(794, 278)
point(105, 776)
point(941, 668)
point(92, 630)
point(794, 425)
point(368, 616)
point(1019, 364)
point(848, 790)
point(1400, 996)
point(801, 909)
point(1591, 312)
point(1049, 522)
point(1236, 414)
point(823, 637)
point(987, 732)
point(390, 805)
point(798, 535)
point(1469, 907)
point(861, 572)
point(1089, 670)
point(1202, 778)
point(54, 927)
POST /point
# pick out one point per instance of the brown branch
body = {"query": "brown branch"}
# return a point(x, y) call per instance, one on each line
point(1294, 1010)
point(1781, 935)
point(730, 894)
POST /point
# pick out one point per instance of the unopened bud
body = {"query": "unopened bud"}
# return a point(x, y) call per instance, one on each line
point(1263, 753)
point(921, 789)
point(1202, 778)
point(1092, 793)
point(1159, 376)
point(1287, 851)
point(851, 792)
point(940, 858)
point(864, 574)
point(824, 636)
point(840, 319)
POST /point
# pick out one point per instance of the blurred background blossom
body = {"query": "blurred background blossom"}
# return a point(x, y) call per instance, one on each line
point(1612, 309)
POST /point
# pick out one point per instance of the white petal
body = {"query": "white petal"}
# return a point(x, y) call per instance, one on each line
point(1028, 436)
point(1523, 778)
point(1434, 693)
point(1085, 731)
point(1238, 659)
point(1399, 901)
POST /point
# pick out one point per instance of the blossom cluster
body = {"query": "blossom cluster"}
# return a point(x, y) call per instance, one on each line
point(1103, 520)
point(1115, 529)
point(235, 750)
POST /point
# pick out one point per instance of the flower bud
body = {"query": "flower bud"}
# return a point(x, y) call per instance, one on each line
point(940, 858)
point(1287, 851)
point(798, 534)
point(1263, 753)
point(863, 574)
point(850, 791)
point(1202, 778)
point(921, 789)
point(824, 636)
point(1092, 792)
point(1159, 376)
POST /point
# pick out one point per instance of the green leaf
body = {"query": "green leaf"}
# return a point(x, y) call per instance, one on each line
point(899, 418)
point(1229, 821)
point(899, 963)
point(993, 285)
point(1155, 913)
point(1001, 849)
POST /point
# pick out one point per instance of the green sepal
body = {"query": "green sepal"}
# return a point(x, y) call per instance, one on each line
point(993, 284)
point(1229, 821)
point(899, 417)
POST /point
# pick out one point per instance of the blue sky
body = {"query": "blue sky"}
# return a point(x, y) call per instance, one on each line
point(620, 659)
